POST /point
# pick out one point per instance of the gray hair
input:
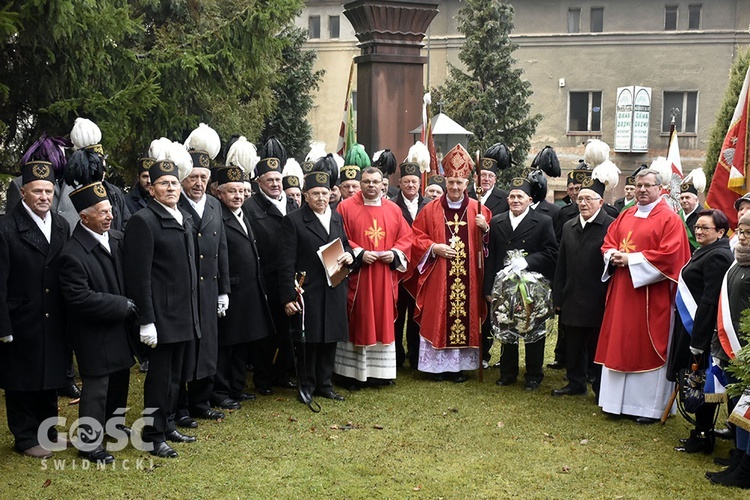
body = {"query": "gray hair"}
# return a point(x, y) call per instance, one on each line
point(650, 171)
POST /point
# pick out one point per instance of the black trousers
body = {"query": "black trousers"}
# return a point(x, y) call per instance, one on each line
point(534, 361)
point(318, 366)
point(194, 397)
point(405, 308)
point(161, 389)
point(231, 372)
point(580, 344)
point(261, 353)
point(280, 353)
point(487, 338)
point(26, 410)
point(101, 396)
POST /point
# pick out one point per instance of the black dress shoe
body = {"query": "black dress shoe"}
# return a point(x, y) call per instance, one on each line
point(330, 395)
point(143, 367)
point(556, 365)
point(244, 396)
point(645, 420)
point(71, 391)
point(285, 384)
point(505, 381)
point(264, 391)
point(177, 437)
point(210, 415)
point(724, 434)
point(460, 377)
point(438, 377)
point(698, 441)
point(532, 385)
point(568, 391)
point(228, 404)
point(186, 422)
point(163, 450)
point(99, 455)
point(124, 428)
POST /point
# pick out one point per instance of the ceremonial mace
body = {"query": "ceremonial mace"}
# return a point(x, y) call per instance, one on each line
point(480, 193)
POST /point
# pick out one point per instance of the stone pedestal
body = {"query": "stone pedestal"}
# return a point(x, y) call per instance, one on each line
point(390, 70)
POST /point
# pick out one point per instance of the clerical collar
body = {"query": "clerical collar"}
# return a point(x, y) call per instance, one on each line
point(642, 211)
point(324, 218)
point(199, 206)
point(102, 239)
point(174, 212)
point(515, 221)
point(455, 205)
point(45, 225)
point(280, 203)
point(584, 222)
point(374, 203)
point(685, 216)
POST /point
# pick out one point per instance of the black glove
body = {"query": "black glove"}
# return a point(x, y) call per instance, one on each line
point(133, 311)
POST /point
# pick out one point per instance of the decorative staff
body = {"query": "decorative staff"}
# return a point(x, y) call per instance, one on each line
point(300, 364)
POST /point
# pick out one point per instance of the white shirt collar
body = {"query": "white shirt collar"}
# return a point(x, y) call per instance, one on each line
point(325, 219)
point(642, 211)
point(376, 202)
point(515, 221)
point(102, 239)
point(45, 225)
point(454, 204)
point(586, 221)
point(199, 206)
point(174, 212)
point(280, 203)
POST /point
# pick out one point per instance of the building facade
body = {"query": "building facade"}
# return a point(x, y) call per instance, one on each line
point(612, 70)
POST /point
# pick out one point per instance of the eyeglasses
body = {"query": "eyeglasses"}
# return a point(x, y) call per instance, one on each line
point(318, 195)
point(703, 228)
point(587, 199)
point(742, 232)
point(167, 183)
point(370, 183)
point(645, 186)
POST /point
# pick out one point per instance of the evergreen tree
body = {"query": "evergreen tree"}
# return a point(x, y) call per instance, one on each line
point(724, 116)
point(292, 95)
point(489, 97)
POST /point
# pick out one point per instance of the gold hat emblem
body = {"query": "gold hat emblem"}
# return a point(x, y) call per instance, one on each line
point(293, 181)
point(488, 163)
point(350, 172)
point(307, 166)
point(205, 161)
point(410, 169)
point(147, 163)
point(273, 163)
point(99, 191)
point(321, 178)
point(580, 176)
point(40, 171)
point(587, 182)
point(234, 174)
point(166, 166)
point(518, 182)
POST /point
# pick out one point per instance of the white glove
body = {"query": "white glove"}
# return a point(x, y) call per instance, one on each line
point(7, 339)
point(518, 265)
point(148, 334)
point(696, 351)
point(716, 361)
point(223, 305)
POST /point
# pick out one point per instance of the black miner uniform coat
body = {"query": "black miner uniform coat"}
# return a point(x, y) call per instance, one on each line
point(578, 289)
point(31, 304)
point(94, 289)
point(497, 202)
point(399, 200)
point(160, 275)
point(552, 211)
point(325, 307)
point(534, 234)
point(248, 318)
point(213, 279)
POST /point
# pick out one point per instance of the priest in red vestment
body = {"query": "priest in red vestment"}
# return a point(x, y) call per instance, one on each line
point(381, 239)
point(446, 276)
point(644, 250)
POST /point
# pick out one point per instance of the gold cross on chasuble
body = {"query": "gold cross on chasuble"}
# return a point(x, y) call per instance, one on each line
point(375, 233)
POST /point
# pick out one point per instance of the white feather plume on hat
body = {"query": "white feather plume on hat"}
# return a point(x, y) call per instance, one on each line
point(180, 156)
point(292, 167)
point(317, 151)
point(698, 178)
point(420, 155)
point(661, 165)
point(204, 138)
point(159, 148)
point(596, 152)
point(85, 133)
point(607, 173)
point(339, 160)
point(243, 154)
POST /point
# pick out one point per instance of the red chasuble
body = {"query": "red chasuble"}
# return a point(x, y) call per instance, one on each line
point(450, 307)
point(373, 290)
point(636, 325)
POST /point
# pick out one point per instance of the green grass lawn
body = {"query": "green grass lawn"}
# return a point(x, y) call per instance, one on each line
point(419, 439)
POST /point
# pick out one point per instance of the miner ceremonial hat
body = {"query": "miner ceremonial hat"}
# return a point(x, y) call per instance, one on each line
point(350, 173)
point(578, 175)
point(496, 158)
point(88, 196)
point(593, 184)
point(317, 179)
point(144, 164)
point(438, 180)
point(290, 181)
point(409, 168)
point(457, 162)
point(37, 170)
point(162, 167)
point(200, 158)
point(224, 175)
point(522, 184)
point(267, 165)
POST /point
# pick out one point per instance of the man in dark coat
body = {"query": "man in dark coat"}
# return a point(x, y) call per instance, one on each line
point(629, 198)
point(246, 332)
point(138, 196)
point(213, 292)
point(98, 315)
point(411, 203)
point(521, 229)
point(160, 276)
point(325, 322)
point(266, 209)
point(578, 290)
point(33, 349)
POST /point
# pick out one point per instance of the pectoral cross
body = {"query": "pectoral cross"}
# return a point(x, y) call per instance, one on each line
point(456, 223)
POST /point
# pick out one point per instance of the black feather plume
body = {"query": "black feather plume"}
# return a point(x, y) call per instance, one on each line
point(328, 165)
point(274, 149)
point(499, 152)
point(227, 145)
point(538, 185)
point(546, 159)
point(387, 162)
point(83, 168)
